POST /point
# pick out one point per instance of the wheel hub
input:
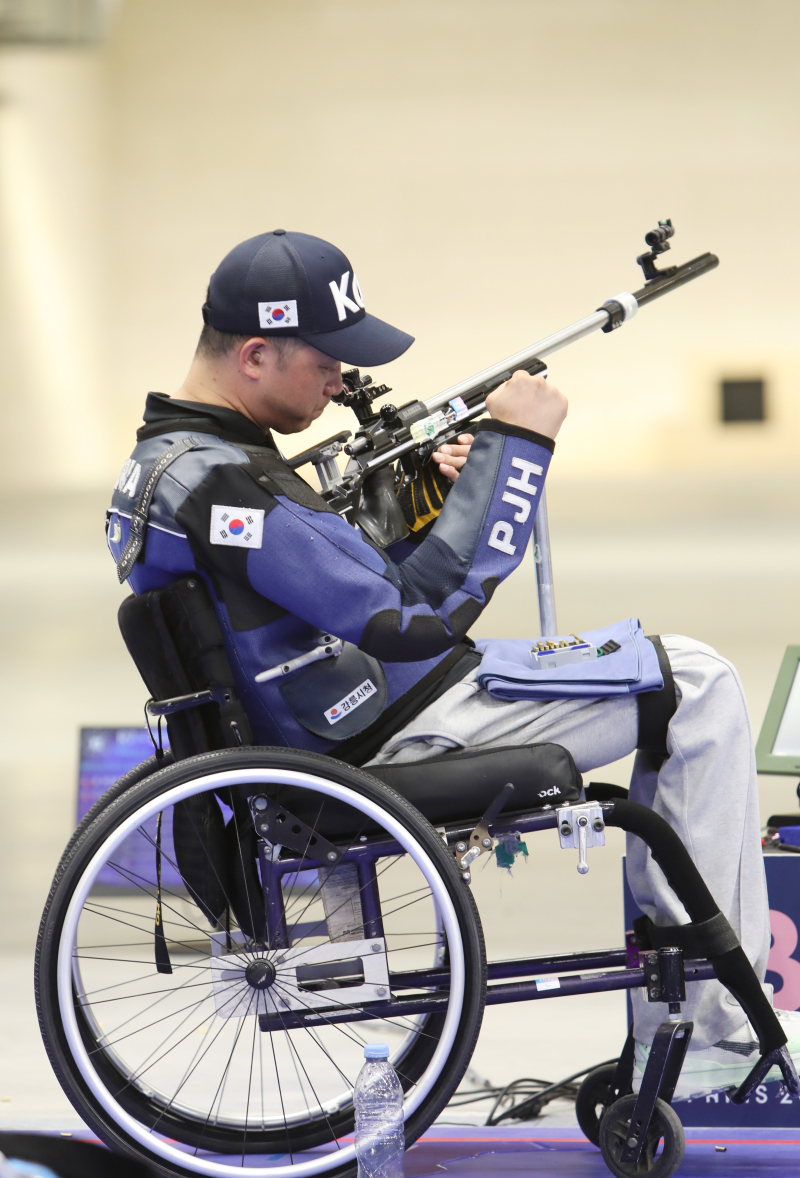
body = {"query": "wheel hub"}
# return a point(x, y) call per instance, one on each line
point(260, 974)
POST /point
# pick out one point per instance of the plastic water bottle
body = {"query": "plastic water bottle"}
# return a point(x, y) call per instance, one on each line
point(379, 1116)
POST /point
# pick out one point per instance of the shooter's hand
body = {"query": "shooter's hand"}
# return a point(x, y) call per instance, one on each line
point(529, 401)
point(451, 458)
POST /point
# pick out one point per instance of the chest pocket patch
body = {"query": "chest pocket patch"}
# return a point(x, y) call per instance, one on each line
point(337, 698)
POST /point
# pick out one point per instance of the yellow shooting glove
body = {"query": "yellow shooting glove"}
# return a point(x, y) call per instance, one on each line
point(422, 499)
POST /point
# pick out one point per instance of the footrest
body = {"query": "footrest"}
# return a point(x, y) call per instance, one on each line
point(781, 1058)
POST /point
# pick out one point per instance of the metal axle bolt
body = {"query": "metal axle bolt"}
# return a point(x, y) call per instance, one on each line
point(332, 856)
point(260, 803)
point(461, 846)
point(486, 843)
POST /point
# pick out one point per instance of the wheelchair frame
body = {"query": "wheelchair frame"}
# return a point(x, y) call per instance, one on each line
point(633, 975)
point(629, 1127)
point(194, 682)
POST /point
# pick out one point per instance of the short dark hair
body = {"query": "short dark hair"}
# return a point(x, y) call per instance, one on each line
point(215, 344)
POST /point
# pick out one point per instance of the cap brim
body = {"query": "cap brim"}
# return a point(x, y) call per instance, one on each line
point(369, 341)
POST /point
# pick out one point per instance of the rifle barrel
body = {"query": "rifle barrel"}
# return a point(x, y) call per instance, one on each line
point(685, 273)
point(537, 351)
point(569, 335)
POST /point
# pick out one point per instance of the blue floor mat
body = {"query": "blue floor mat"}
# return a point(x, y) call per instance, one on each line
point(566, 1152)
point(558, 1153)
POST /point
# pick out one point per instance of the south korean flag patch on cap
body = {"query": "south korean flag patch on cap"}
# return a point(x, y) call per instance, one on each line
point(241, 527)
point(280, 314)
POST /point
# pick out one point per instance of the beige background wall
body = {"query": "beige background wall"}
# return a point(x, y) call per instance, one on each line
point(490, 168)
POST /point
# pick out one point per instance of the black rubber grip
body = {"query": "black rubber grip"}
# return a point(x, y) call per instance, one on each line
point(732, 968)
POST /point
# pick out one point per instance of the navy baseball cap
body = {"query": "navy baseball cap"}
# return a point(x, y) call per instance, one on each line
point(293, 284)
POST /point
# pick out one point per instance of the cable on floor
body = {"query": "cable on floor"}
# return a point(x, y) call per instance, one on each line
point(528, 1096)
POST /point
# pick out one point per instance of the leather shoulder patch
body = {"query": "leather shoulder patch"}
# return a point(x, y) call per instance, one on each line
point(270, 472)
point(247, 609)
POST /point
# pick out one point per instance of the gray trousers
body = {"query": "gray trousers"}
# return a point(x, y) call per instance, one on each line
point(706, 790)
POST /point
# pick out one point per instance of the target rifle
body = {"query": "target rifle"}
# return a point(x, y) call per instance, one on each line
point(392, 444)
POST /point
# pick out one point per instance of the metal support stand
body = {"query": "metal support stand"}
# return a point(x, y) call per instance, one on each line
point(544, 571)
point(665, 982)
point(660, 1077)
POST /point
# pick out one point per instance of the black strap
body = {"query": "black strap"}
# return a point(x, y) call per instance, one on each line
point(709, 938)
point(136, 540)
point(163, 963)
point(656, 708)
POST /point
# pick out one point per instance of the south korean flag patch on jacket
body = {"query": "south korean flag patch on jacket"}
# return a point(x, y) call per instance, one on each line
point(241, 527)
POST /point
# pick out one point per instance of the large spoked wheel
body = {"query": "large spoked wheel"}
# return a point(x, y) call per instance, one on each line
point(225, 1026)
point(664, 1144)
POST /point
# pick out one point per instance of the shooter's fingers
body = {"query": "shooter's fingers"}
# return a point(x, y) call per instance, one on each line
point(452, 457)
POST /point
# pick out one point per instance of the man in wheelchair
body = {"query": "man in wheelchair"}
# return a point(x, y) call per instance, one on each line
point(339, 647)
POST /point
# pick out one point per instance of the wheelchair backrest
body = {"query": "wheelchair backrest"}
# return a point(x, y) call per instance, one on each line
point(174, 637)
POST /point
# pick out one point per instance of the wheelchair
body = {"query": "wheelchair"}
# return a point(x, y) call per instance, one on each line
point(230, 924)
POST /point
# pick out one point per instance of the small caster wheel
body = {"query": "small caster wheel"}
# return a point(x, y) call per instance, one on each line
point(594, 1097)
point(665, 1124)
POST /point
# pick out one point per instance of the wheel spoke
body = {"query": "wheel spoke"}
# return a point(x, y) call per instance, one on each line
point(185, 1055)
point(356, 1038)
point(141, 944)
point(165, 993)
point(134, 878)
point(295, 1056)
point(151, 1063)
point(221, 1086)
point(249, 1084)
point(280, 1095)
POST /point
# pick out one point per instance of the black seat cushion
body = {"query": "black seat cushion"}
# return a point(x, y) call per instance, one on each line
point(453, 788)
point(460, 786)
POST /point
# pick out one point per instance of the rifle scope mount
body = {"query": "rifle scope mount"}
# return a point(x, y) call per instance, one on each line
point(658, 240)
point(358, 393)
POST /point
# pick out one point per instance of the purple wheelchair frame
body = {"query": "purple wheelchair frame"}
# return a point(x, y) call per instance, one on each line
point(620, 969)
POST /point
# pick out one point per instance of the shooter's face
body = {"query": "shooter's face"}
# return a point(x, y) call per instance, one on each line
point(293, 388)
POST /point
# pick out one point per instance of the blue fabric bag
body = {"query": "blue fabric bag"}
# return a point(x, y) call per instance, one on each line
point(506, 670)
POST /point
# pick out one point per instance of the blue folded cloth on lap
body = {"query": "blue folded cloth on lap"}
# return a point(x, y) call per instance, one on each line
point(506, 670)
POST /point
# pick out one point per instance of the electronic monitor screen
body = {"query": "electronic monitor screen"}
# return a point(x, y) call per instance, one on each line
point(778, 746)
point(787, 741)
point(106, 754)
